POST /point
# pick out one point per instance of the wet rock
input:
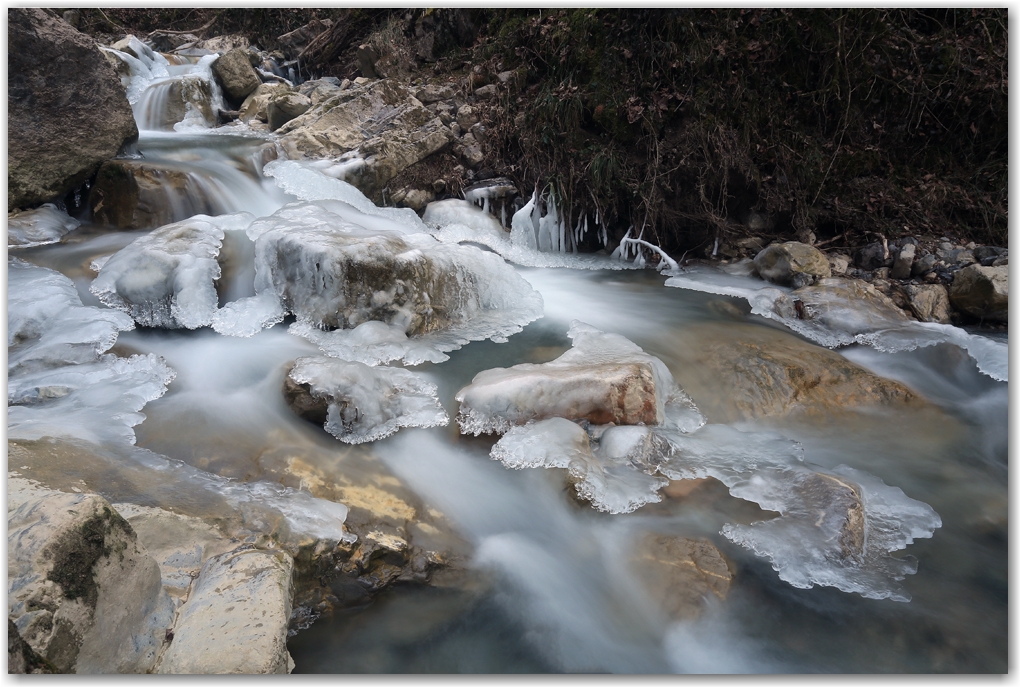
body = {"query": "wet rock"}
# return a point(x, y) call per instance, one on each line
point(236, 74)
point(929, 302)
point(256, 105)
point(320, 90)
point(903, 263)
point(132, 194)
point(680, 574)
point(770, 373)
point(236, 619)
point(873, 256)
point(82, 592)
point(67, 110)
point(982, 292)
point(45, 224)
point(792, 263)
point(389, 127)
point(836, 300)
point(417, 199)
point(834, 505)
point(285, 107)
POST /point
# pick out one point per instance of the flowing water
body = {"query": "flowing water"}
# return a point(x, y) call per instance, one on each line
point(554, 584)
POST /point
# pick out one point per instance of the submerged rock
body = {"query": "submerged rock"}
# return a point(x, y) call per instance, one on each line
point(792, 263)
point(67, 111)
point(982, 292)
point(680, 573)
point(133, 194)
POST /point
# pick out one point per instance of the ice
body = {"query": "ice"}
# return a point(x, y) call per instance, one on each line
point(47, 324)
point(97, 401)
point(369, 403)
point(372, 343)
point(603, 378)
point(552, 443)
point(45, 224)
point(837, 318)
point(455, 211)
point(167, 278)
point(141, 70)
point(305, 182)
point(319, 261)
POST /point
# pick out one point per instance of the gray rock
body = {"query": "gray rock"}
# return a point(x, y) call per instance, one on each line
point(81, 590)
point(367, 56)
point(72, 17)
point(293, 42)
point(983, 253)
point(417, 199)
point(486, 92)
point(792, 263)
point(473, 155)
point(455, 129)
point(923, 265)
point(236, 74)
point(67, 110)
point(433, 93)
point(236, 619)
point(319, 90)
point(680, 574)
point(285, 107)
point(467, 117)
point(903, 263)
point(873, 256)
point(134, 194)
point(929, 302)
point(982, 292)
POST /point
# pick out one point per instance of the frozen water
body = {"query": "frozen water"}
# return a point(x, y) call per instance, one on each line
point(602, 376)
point(455, 211)
point(47, 325)
point(45, 224)
point(372, 343)
point(369, 403)
point(837, 319)
point(167, 278)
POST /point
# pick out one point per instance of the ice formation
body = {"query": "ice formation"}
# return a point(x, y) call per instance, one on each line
point(60, 380)
point(45, 224)
point(836, 527)
point(368, 403)
point(139, 71)
point(603, 378)
point(372, 343)
point(167, 278)
point(837, 318)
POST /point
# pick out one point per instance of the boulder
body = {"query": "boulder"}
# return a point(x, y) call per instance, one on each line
point(133, 194)
point(236, 619)
point(381, 119)
point(67, 110)
point(873, 256)
point(285, 107)
point(256, 105)
point(680, 573)
point(904, 261)
point(792, 263)
point(320, 90)
point(923, 265)
point(81, 591)
point(467, 117)
point(839, 264)
point(236, 74)
point(486, 92)
point(45, 224)
point(224, 44)
point(929, 302)
point(767, 372)
point(982, 292)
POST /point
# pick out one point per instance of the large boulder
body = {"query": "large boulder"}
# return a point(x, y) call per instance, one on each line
point(236, 619)
point(792, 264)
point(81, 591)
point(67, 110)
point(236, 74)
point(389, 127)
point(982, 292)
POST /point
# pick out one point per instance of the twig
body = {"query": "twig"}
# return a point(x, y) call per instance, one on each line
point(197, 31)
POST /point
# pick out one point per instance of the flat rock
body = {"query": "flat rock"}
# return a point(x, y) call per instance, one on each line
point(236, 618)
point(67, 110)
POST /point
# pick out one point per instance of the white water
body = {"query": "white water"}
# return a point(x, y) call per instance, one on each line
point(564, 590)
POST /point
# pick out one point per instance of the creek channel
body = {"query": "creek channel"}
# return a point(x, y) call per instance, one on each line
point(555, 585)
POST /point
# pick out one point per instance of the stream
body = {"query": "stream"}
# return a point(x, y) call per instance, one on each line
point(553, 586)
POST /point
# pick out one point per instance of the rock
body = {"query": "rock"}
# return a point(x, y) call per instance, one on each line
point(256, 105)
point(478, 131)
point(417, 199)
point(82, 592)
point(834, 505)
point(472, 155)
point(320, 90)
point(929, 302)
point(439, 185)
point(133, 194)
point(67, 110)
point(467, 117)
point(361, 81)
point(680, 573)
point(389, 127)
point(367, 56)
point(839, 264)
point(757, 221)
point(880, 273)
point(504, 77)
point(1000, 261)
point(236, 619)
point(236, 75)
point(873, 256)
point(903, 263)
point(982, 292)
point(923, 265)
point(44, 224)
point(750, 245)
point(983, 254)
point(21, 659)
point(792, 263)
point(295, 41)
point(771, 373)
point(446, 114)
point(486, 92)
point(162, 41)
point(225, 44)
point(433, 93)
point(285, 107)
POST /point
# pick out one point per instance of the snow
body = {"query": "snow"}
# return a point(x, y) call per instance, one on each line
point(369, 403)
point(45, 224)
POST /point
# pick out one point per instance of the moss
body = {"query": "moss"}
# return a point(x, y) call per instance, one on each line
point(76, 554)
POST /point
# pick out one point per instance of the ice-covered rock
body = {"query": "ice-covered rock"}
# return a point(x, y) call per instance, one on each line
point(44, 224)
point(604, 378)
point(167, 277)
point(358, 403)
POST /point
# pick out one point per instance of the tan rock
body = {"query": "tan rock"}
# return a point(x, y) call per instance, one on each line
point(256, 105)
point(792, 263)
point(929, 302)
point(982, 292)
point(680, 574)
point(236, 74)
point(285, 107)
